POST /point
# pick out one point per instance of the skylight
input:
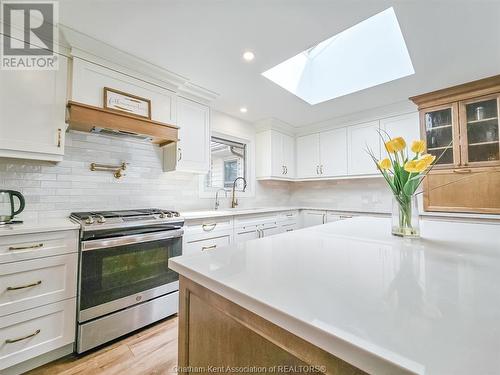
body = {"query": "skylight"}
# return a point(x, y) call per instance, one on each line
point(367, 54)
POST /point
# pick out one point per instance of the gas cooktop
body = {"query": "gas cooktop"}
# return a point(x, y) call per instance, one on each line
point(122, 218)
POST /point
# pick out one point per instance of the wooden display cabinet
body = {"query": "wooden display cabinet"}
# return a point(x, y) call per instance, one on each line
point(461, 126)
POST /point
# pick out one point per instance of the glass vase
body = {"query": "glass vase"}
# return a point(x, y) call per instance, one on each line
point(405, 217)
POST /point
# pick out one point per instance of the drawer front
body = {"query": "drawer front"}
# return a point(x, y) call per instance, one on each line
point(30, 333)
point(289, 227)
point(194, 247)
point(36, 282)
point(37, 245)
point(255, 219)
point(288, 215)
point(207, 226)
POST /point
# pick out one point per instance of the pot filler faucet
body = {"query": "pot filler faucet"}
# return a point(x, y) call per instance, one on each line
point(234, 201)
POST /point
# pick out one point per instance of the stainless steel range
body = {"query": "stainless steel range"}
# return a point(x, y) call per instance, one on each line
point(124, 282)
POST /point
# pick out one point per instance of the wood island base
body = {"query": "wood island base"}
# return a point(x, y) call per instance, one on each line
point(219, 336)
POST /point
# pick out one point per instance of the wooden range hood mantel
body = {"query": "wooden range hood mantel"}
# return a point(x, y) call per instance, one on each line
point(84, 117)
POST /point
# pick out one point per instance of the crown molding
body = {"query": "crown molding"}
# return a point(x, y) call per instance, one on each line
point(95, 51)
point(274, 124)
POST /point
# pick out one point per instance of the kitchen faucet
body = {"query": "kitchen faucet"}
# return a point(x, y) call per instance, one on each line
point(217, 204)
point(234, 201)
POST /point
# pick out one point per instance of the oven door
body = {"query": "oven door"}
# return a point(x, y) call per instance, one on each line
point(116, 273)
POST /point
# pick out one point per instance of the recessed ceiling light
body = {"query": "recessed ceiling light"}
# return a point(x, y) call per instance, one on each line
point(367, 54)
point(243, 110)
point(248, 56)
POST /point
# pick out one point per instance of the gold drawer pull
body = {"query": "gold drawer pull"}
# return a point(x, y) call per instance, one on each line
point(11, 341)
point(462, 170)
point(208, 247)
point(24, 286)
point(209, 227)
point(37, 246)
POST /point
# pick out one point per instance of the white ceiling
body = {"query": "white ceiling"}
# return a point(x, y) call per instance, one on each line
point(450, 42)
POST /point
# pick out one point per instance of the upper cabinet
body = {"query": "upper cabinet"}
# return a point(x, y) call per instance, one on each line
point(360, 138)
point(460, 125)
point(333, 152)
point(275, 155)
point(308, 156)
point(89, 81)
point(32, 112)
point(192, 152)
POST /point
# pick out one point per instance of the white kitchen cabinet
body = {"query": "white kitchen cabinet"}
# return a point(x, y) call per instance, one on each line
point(333, 153)
point(289, 227)
point(36, 282)
point(275, 155)
point(406, 126)
point(210, 242)
point(30, 333)
point(311, 218)
point(308, 156)
point(246, 234)
point(192, 152)
point(335, 216)
point(32, 113)
point(359, 138)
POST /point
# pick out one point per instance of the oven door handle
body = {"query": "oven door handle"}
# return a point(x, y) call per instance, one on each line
point(128, 240)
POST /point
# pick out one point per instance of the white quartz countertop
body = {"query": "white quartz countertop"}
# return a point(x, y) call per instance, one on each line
point(385, 304)
point(206, 214)
point(37, 226)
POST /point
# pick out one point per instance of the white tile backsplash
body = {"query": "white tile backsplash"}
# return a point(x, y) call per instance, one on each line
point(55, 190)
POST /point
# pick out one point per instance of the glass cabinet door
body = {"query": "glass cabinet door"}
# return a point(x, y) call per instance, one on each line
point(439, 124)
point(479, 127)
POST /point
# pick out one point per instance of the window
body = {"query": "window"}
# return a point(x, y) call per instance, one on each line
point(227, 162)
point(367, 54)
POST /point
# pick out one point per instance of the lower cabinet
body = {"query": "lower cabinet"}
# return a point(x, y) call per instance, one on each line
point(211, 242)
point(207, 234)
point(38, 282)
point(311, 218)
point(33, 332)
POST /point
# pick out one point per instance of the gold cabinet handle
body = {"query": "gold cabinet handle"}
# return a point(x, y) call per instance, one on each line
point(24, 286)
point(180, 154)
point(36, 246)
point(59, 131)
point(209, 227)
point(462, 171)
point(208, 247)
point(11, 341)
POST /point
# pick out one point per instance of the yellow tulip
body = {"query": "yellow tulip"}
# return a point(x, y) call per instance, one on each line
point(418, 146)
point(389, 145)
point(399, 143)
point(428, 158)
point(395, 145)
point(411, 166)
point(385, 164)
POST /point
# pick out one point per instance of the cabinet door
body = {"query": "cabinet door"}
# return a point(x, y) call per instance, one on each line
point(270, 231)
point(245, 234)
point(360, 137)
point(312, 218)
point(277, 157)
point(193, 120)
point(308, 156)
point(333, 151)
point(32, 113)
point(439, 127)
point(479, 130)
point(406, 126)
point(289, 155)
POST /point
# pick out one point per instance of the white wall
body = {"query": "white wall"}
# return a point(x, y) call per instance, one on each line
point(56, 190)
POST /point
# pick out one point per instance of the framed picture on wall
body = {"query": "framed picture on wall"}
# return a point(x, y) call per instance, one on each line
point(120, 101)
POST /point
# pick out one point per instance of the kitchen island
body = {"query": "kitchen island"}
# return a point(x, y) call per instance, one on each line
point(347, 298)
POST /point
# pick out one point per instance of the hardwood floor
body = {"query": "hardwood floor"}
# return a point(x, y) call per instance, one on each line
point(152, 351)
